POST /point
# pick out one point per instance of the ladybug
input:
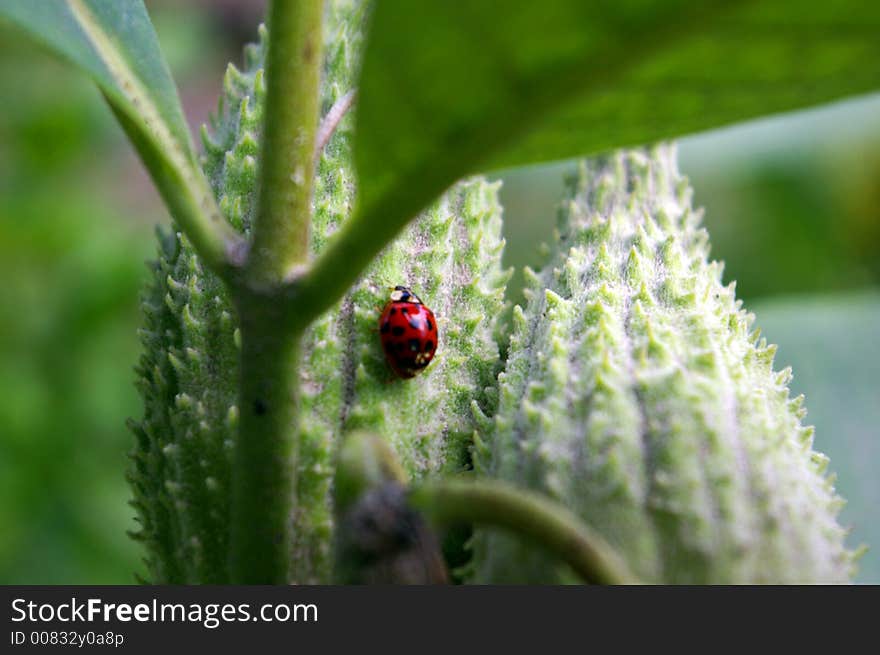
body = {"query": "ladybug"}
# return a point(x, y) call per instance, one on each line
point(408, 331)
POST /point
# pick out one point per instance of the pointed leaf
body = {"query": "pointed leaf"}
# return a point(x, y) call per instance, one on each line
point(114, 42)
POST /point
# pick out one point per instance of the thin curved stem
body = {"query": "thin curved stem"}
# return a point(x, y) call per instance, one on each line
point(527, 514)
point(331, 120)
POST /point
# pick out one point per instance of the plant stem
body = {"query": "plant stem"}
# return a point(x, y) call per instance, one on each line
point(358, 241)
point(293, 74)
point(190, 202)
point(264, 461)
point(168, 156)
point(527, 514)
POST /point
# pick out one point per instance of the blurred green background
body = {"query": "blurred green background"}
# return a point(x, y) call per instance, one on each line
point(792, 205)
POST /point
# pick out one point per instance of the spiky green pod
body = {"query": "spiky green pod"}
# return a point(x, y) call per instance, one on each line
point(189, 371)
point(636, 394)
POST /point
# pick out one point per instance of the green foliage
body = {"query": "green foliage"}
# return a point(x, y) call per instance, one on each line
point(67, 310)
point(115, 44)
point(636, 393)
point(71, 267)
point(550, 80)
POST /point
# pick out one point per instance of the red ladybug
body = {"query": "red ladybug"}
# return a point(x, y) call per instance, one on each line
point(409, 333)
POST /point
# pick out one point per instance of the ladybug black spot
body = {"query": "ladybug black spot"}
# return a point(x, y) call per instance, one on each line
point(386, 326)
point(397, 331)
point(414, 345)
point(430, 326)
point(404, 310)
point(429, 346)
point(393, 311)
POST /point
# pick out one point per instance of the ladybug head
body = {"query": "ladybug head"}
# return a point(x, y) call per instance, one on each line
point(404, 294)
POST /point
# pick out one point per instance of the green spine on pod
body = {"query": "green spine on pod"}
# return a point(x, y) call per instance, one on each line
point(450, 256)
point(636, 394)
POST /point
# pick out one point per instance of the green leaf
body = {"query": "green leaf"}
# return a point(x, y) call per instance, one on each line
point(114, 42)
point(450, 88)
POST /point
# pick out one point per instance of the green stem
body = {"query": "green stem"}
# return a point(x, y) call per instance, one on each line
point(545, 522)
point(264, 460)
point(293, 74)
point(265, 451)
point(189, 200)
point(359, 240)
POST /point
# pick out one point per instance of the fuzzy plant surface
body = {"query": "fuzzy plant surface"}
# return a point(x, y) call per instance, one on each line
point(637, 394)
point(188, 375)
